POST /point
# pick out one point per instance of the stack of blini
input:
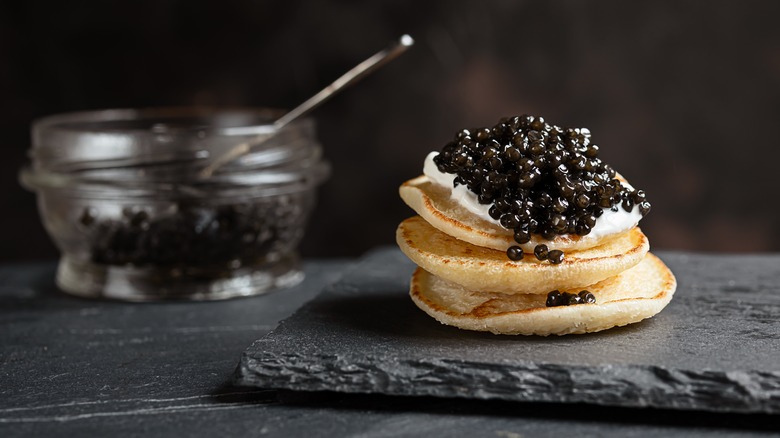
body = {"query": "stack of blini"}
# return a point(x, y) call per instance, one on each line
point(464, 278)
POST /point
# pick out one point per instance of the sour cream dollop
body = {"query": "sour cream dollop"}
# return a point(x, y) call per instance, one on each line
point(609, 223)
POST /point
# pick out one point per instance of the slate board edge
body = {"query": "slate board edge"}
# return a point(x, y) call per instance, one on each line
point(733, 391)
point(736, 391)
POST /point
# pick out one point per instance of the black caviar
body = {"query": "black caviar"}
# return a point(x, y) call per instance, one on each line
point(555, 256)
point(541, 252)
point(540, 178)
point(557, 298)
point(195, 235)
point(514, 253)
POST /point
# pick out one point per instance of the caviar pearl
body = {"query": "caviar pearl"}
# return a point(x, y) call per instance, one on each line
point(514, 253)
point(88, 217)
point(554, 299)
point(644, 208)
point(541, 252)
point(522, 236)
point(587, 297)
point(555, 256)
point(494, 212)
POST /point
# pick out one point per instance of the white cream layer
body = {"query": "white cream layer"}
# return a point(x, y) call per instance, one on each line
point(610, 222)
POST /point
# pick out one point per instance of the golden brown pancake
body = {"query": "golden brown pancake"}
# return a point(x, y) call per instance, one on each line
point(478, 268)
point(433, 202)
point(631, 296)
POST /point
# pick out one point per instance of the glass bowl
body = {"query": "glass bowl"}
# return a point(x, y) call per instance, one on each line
point(121, 194)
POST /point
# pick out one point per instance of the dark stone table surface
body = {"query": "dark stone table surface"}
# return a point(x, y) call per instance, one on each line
point(74, 367)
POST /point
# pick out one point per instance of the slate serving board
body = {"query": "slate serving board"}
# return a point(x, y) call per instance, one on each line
point(716, 347)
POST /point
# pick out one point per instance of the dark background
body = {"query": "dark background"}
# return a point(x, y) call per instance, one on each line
point(682, 96)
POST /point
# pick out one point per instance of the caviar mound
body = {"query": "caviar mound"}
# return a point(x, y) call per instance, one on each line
point(536, 177)
point(475, 267)
point(633, 295)
point(434, 204)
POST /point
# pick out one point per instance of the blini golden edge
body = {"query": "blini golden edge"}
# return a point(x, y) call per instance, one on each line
point(478, 268)
point(629, 297)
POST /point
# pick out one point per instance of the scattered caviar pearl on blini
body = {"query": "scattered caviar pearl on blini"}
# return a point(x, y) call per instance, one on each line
point(515, 253)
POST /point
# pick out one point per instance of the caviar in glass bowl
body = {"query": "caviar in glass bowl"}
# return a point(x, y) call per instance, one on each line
point(122, 196)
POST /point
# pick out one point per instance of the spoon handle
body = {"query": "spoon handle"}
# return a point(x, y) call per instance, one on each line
point(353, 75)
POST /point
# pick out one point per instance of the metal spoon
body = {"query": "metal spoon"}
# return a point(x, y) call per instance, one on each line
point(348, 78)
